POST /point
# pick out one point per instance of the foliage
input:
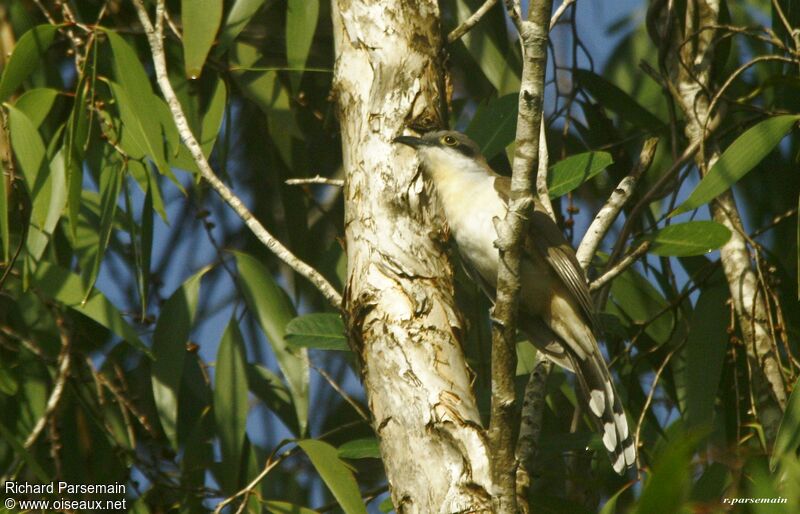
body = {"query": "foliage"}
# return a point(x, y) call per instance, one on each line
point(147, 338)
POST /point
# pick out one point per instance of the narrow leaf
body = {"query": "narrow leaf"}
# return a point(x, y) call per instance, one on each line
point(687, 239)
point(617, 100)
point(66, 287)
point(494, 125)
point(174, 324)
point(739, 158)
point(787, 442)
point(272, 309)
point(230, 400)
point(568, 174)
point(201, 19)
point(301, 24)
point(368, 448)
point(27, 53)
point(30, 151)
point(278, 507)
point(270, 389)
point(323, 331)
point(212, 120)
point(238, 17)
point(705, 348)
point(336, 475)
point(110, 185)
point(37, 103)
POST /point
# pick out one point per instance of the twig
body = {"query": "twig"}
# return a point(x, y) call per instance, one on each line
point(619, 267)
point(560, 12)
point(470, 22)
point(359, 410)
point(154, 37)
point(609, 212)
point(248, 490)
point(336, 182)
point(531, 427)
point(649, 400)
point(64, 360)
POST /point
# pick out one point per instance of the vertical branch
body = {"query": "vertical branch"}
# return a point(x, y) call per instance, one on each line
point(533, 33)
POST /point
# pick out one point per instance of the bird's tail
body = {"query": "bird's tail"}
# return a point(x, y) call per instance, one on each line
point(605, 409)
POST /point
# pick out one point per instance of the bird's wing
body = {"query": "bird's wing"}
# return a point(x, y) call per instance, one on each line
point(546, 239)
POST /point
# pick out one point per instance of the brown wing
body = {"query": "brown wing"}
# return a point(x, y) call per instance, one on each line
point(546, 239)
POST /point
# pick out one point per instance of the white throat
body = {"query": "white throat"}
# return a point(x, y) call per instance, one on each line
point(470, 202)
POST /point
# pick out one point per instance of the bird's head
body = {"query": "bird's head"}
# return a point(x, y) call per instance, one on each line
point(446, 152)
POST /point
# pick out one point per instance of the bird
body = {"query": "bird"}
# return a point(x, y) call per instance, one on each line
point(555, 309)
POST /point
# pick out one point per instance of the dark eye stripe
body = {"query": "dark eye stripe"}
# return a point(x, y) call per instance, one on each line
point(466, 150)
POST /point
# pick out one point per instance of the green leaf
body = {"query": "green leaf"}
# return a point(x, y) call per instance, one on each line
point(487, 51)
point(667, 487)
point(171, 334)
point(705, 349)
point(386, 505)
point(301, 24)
point(367, 448)
point(201, 19)
point(617, 100)
point(276, 507)
point(687, 239)
point(738, 159)
point(4, 232)
point(272, 309)
point(639, 301)
point(494, 125)
point(30, 151)
point(212, 120)
point(787, 442)
point(110, 185)
point(238, 17)
point(141, 111)
point(37, 103)
point(230, 401)
point(323, 331)
point(270, 389)
point(66, 287)
point(8, 383)
point(29, 50)
point(336, 475)
point(568, 174)
point(76, 133)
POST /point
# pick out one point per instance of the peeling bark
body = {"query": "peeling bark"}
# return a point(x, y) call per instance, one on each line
point(399, 303)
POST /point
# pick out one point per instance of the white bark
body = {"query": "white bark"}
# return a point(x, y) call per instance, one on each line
point(399, 302)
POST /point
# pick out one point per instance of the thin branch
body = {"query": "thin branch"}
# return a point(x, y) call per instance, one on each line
point(619, 267)
point(155, 39)
point(248, 490)
point(470, 22)
point(346, 397)
point(560, 12)
point(609, 212)
point(64, 360)
point(335, 182)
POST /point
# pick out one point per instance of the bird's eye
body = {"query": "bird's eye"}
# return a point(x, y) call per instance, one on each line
point(449, 140)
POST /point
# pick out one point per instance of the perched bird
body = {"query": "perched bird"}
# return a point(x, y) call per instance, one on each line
point(556, 310)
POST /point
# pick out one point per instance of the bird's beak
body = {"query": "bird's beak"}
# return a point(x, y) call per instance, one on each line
point(412, 141)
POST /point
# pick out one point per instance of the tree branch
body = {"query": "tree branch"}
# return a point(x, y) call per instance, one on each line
point(335, 182)
point(155, 38)
point(609, 212)
point(470, 22)
point(619, 267)
point(533, 34)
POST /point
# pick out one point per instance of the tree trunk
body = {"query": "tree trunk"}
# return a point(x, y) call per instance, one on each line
point(399, 301)
point(693, 80)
